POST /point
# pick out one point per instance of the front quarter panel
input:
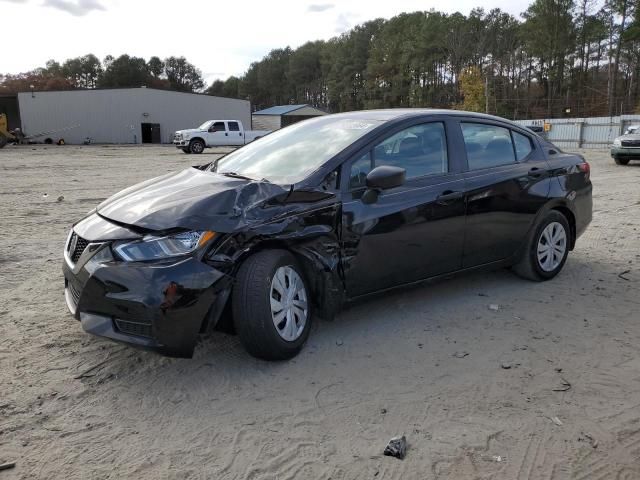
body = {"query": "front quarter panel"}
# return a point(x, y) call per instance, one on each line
point(310, 231)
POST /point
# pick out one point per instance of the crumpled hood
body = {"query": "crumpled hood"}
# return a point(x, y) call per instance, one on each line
point(192, 199)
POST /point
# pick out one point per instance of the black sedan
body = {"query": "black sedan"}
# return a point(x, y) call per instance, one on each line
point(318, 214)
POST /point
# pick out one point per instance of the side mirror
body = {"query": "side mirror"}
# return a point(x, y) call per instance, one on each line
point(380, 178)
point(385, 177)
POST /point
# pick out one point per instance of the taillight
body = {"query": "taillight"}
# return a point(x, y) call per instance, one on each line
point(585, 168)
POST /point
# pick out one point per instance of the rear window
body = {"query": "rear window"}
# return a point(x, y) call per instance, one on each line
point(487, 145)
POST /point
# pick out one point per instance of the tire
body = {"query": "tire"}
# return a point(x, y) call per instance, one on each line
point(196, 146)
point(621, 161)
point(186, 150)
point(538, 267)
point(256, 295)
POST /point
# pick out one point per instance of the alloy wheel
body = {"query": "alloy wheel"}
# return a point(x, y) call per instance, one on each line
point(552, 245)
point(197, 147)
point(289, 307)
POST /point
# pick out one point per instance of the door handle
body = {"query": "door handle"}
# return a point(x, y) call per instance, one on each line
point(448, 196)
point(536, 172)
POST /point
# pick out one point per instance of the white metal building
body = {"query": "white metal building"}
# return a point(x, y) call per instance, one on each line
point(280, 116)
point(590, 132)
point(127, 115)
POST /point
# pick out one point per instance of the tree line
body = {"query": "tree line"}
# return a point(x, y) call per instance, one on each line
point(172, 73)
point(562, 58)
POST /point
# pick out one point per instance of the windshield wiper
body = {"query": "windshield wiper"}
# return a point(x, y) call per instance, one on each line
point(235, 175)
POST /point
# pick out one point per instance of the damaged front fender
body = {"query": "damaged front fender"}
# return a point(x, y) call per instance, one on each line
point(311, 232)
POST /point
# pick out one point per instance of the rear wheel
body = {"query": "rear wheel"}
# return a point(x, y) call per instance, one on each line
point(620, 161)
point(196, 146)
point(271, 306)
point(546, 250)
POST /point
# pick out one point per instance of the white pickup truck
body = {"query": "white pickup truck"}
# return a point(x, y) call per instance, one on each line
point(215, 133)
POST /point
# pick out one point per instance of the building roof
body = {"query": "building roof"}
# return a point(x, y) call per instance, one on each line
point(122, 89)
point(280, 109)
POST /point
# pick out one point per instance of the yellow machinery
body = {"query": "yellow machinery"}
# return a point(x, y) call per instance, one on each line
point(5, 136)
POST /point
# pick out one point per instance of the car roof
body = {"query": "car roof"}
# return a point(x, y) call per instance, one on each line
point(397, 113)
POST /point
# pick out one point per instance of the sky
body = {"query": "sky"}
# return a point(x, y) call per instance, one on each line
point(220, 37)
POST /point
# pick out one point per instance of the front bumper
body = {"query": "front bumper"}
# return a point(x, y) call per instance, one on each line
point(625, 152)
point(158, 306)
point(180, 142)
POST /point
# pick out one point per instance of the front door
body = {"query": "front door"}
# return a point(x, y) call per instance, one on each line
point(217, 134)
point(410, 232)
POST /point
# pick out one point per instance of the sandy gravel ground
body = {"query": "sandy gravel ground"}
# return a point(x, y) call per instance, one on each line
point(546, 387)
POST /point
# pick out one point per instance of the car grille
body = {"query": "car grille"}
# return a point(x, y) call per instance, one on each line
point(133, 328)
point(80, 245)
point(631, 143)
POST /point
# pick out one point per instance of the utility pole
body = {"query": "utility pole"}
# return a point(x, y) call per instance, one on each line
point(486, 94)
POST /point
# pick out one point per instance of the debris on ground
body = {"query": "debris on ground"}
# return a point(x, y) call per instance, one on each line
point(494, 306)
point(383, 411)
point(339, 342)
point(397, 447)
point(45, 195)
point(564, 386)
point(460, 354)
point(7, 466)
point(557, 421)
point(622, 275)
point(585, 437)
point(61, 198)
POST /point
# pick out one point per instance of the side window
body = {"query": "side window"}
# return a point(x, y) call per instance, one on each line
point(233, 126)
point(487, 145)
point(522, 144)
point(217, 127)
point(421, 150)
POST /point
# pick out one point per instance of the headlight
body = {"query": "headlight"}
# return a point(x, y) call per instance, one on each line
point(153, 248)
point(617, 142)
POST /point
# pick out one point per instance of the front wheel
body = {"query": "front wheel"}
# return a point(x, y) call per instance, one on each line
point(196, 146)
point(546, 250)
point(271, 305)
point(621, 161)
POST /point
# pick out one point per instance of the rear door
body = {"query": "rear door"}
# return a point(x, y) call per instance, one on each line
point(413, 231)
point(234, 134)
point(506, 184)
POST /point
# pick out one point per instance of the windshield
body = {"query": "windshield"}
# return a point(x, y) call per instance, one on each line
point(633, 129)
point(205, 125)
point(289, 155)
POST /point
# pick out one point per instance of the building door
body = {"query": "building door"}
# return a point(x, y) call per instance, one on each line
point(151, 133)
